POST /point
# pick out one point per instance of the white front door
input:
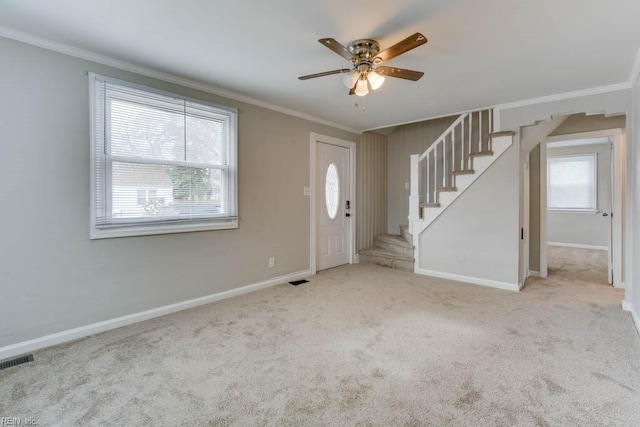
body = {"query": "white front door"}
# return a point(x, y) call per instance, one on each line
point(333, 203)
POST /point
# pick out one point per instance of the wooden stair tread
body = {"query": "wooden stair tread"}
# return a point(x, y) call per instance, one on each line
point(442, 189)
point(481, 153)
point(502, 133)
point(463, 172)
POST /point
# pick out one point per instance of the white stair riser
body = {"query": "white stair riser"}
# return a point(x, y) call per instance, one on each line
point(483, 162)
point(501, 143)
point(446, 197)
point(463, 181)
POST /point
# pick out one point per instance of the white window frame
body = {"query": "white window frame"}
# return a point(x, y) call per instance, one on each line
point(135, 227)
point(568, 158)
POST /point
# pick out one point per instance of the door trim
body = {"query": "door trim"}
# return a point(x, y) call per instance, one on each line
point(314, 140)
point(526, 220)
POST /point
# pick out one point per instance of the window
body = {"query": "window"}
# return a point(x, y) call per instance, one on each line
point(571, 183)
point(332, 191)
point(160, 163)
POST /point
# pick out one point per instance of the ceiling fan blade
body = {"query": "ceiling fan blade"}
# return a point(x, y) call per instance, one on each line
point(326, 73)
point(337, 48)
point(400, 73)
point(405, 45)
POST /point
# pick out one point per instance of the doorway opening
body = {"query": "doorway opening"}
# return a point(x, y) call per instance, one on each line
point(582, 206)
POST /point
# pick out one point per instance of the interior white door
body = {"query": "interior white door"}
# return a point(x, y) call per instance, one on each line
point(333, 199)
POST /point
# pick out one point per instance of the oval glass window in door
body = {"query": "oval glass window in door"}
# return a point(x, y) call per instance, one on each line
point(332, 190)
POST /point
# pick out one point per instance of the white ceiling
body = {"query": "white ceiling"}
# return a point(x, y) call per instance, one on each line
point(480, 53)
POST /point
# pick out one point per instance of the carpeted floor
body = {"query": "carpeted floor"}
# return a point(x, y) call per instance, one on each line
point(358, 345)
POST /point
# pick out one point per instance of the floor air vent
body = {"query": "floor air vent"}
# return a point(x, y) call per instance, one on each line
point(299, 282)
point(15, 362)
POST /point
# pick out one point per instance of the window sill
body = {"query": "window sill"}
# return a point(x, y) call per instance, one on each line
point(149, 230)
point(572, 211)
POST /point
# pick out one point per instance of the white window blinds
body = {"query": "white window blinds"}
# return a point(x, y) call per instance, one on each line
point(161, 163)
point(571, 183)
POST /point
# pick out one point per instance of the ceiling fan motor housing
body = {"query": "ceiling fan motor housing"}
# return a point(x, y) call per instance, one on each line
point(364, 51)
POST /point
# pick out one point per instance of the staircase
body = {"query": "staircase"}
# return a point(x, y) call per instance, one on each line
point(391, 250)
point(439, 176)
point(451, 164)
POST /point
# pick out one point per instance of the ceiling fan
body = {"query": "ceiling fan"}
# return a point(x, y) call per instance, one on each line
point(365, 57)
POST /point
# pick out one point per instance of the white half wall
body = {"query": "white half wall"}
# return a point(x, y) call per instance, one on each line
point(477, 237)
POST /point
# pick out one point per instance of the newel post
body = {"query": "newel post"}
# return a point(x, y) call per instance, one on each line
point(414, 196)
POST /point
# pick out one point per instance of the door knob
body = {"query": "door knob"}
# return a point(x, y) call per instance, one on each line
point(347, 214)
point(605, 214)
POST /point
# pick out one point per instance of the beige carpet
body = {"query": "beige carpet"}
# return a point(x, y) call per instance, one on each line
point(358, 345)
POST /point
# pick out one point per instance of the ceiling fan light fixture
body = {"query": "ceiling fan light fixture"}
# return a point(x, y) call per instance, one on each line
point(362, 88)
point(375, 79)
point(349, 79)
point(365, 58)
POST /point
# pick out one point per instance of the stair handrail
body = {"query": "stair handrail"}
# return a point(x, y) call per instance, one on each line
point(450, 152)
point(441, 138)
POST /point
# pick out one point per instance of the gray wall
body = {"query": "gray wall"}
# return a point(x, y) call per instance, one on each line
point(371, 190)
point(406, 140)
point(585, 228)
point(54, 278)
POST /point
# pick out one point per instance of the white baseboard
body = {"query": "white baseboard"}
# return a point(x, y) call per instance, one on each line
point(533, 273)
point(107, 325)
point(578, 246)
point(627, 306)
point(473, 280)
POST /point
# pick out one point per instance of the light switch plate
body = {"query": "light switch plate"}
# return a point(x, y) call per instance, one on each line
point(306, 191)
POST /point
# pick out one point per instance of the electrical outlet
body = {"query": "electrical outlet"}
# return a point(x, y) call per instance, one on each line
point(272, 262)
point(306, 191)
point(462, 258)
point(406, 185)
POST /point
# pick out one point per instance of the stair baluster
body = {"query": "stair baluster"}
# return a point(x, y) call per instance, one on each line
point(468, 165)
point(479, 131)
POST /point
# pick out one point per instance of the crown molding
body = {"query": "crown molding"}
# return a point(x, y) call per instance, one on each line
point(66, 49)
point(635, 70)
point(635, 73)
point(566, 95)
point(442, 116)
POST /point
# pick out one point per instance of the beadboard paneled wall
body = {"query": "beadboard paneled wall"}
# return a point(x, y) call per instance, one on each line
point(406, 140)
point(371, 188)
